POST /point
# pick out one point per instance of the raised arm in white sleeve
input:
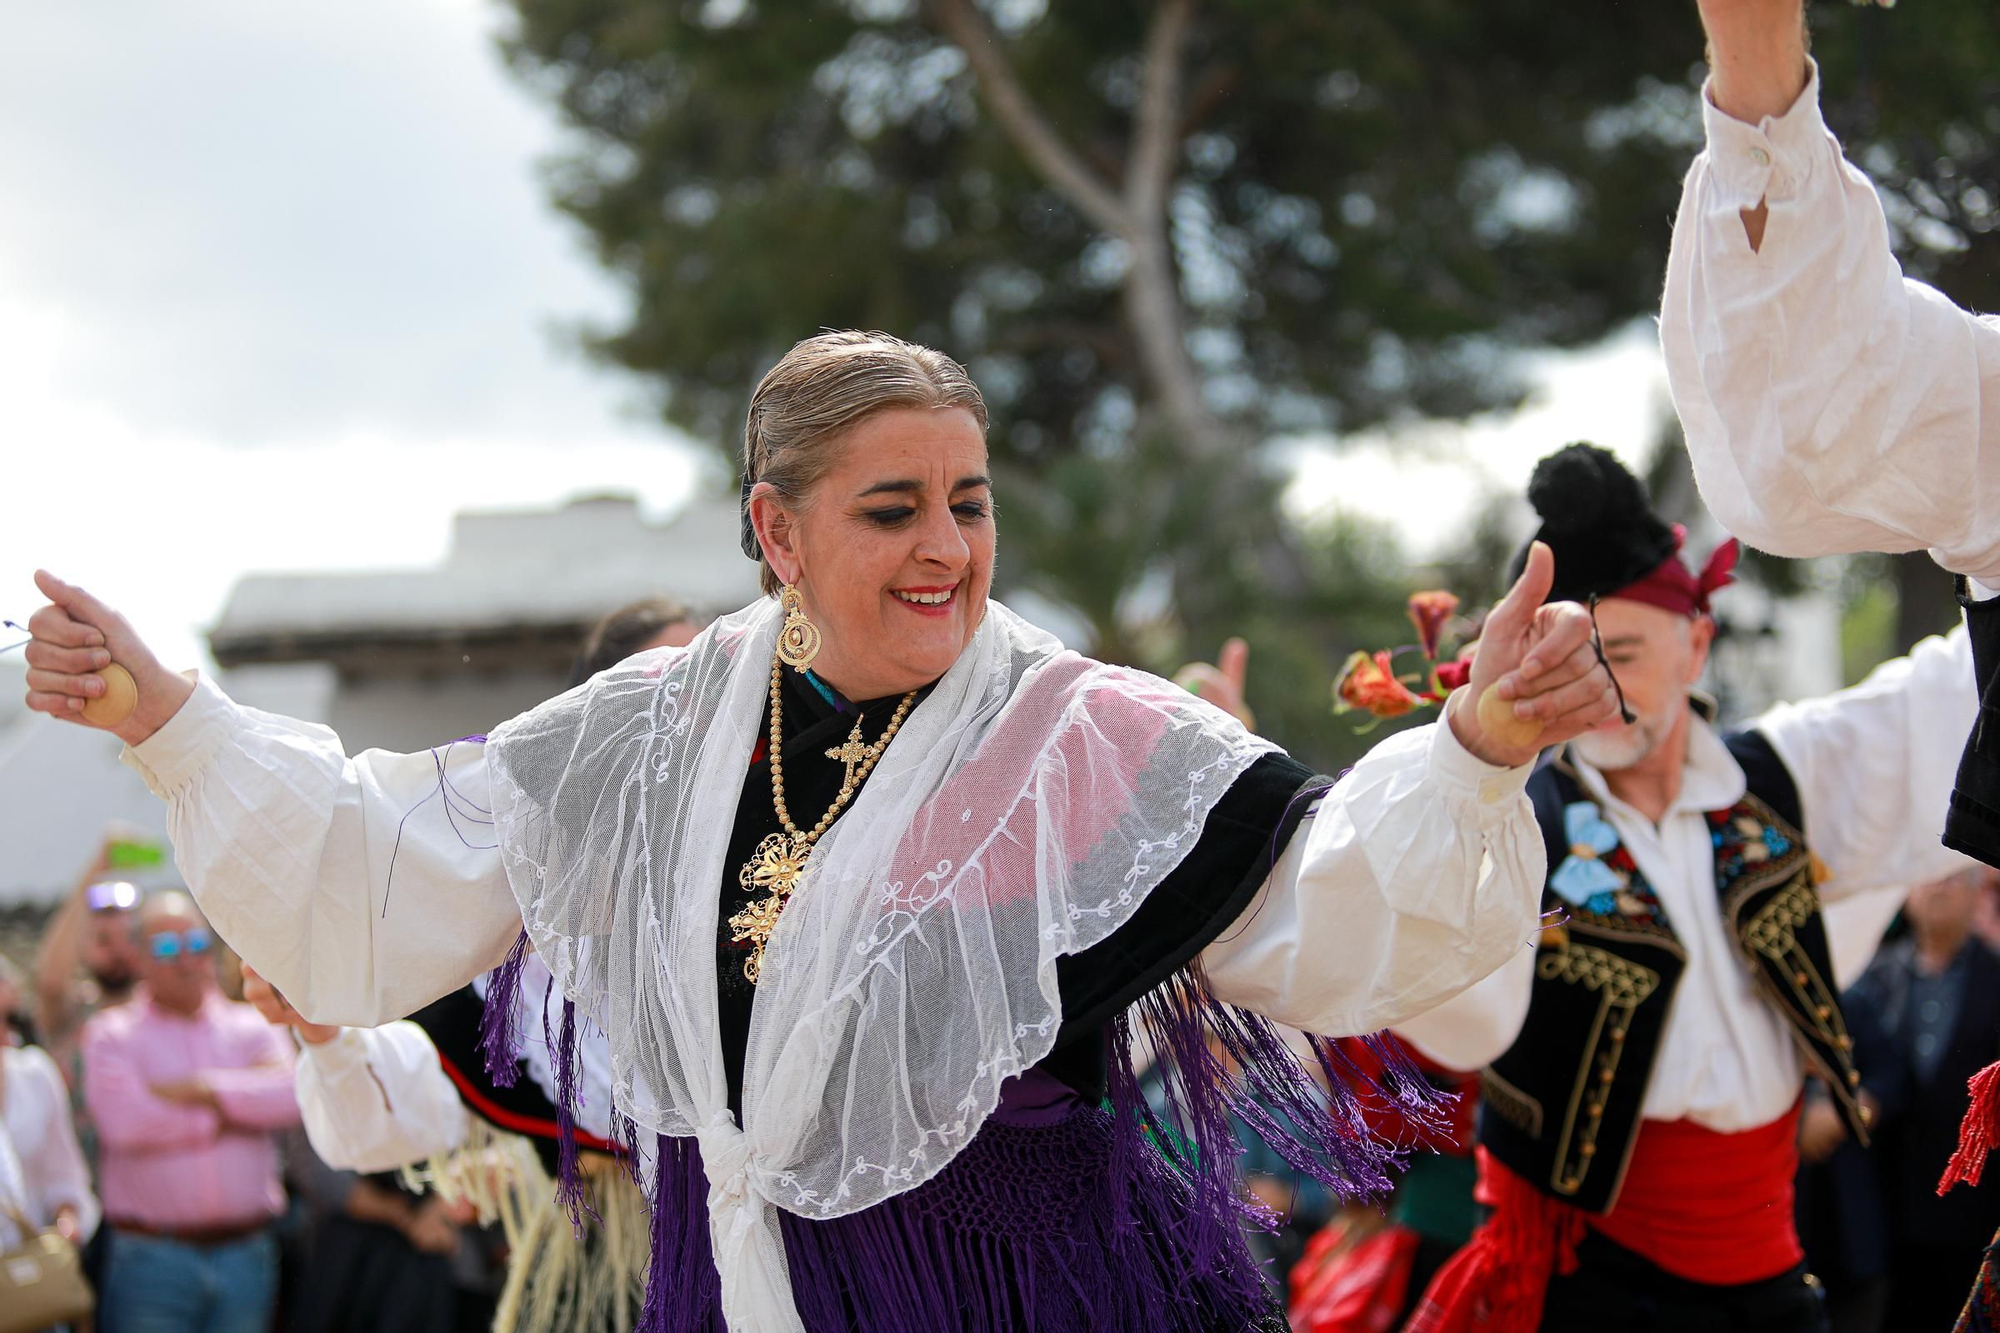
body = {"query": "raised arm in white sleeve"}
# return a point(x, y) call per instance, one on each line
point(289, 847)
point(1874, 766)
point(374, 1099)
point(1830, 404)
point(1418, 874)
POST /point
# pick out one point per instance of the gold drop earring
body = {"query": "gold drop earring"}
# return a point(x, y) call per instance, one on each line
point(798, 638)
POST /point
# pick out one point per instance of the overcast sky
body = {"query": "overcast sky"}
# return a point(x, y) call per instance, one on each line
point(279, 290)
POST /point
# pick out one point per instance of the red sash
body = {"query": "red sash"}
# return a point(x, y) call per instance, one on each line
point(1709, 1207)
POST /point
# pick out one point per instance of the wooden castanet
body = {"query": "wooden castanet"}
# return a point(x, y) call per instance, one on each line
point(1496, 719)
point(120, 697)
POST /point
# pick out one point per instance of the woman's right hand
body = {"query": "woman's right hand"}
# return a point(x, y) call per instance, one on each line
point(262, 996)
point(76, 636)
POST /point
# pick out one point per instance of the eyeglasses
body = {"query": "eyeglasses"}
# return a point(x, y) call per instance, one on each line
point(192, 942)
point(1597, 646)
point(111, 895)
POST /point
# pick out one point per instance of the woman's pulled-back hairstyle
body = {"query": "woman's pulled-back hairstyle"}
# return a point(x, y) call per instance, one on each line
point(823, 388)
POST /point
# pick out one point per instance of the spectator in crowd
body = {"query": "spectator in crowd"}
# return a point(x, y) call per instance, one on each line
point(17, 1027)
point(187, 1089)
point(88, 957)
point(88, 960)
point(1838, 1205)
point(1925, 1017)
point(386, 1259)
point(650, 622)
point(42, 1172)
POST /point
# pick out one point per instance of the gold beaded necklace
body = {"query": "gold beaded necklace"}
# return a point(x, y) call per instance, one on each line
point(779, 864)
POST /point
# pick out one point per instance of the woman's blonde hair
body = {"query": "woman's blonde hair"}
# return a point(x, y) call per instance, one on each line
point(821, 389)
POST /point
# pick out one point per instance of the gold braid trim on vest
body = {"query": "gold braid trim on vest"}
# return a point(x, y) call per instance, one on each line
point(1622, 987)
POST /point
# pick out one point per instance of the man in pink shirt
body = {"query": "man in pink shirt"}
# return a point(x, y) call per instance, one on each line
point(187, 1088)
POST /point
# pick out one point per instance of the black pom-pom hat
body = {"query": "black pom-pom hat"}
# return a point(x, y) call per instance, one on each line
point(1607, 540)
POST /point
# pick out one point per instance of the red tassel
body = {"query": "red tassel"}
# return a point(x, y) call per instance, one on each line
point(1719, 572)
point(1979, 1132)
point(1496, 1284)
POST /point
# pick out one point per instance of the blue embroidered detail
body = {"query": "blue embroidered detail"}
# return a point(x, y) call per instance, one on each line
point(1583, 879)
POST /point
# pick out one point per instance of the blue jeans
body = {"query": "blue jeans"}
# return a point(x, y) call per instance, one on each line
point(156, 1285)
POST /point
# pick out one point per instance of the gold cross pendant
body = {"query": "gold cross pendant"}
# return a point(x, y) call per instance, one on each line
point(853, 753)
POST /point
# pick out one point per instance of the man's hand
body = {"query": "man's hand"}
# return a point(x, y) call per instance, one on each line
point(1821, 1130)
point(278, 1011)
point(73, 638)
point(1757, 55)
point(1222, 683)
point(1543, 662)
point(188, 1092)
point(433, 1227)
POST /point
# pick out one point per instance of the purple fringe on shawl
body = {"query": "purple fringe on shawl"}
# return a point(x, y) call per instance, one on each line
point(499, 1021)
point(1217, 1061)
point(1069, 1218)
point(500, 1039)
point(683, 1290)
point(570, 1193)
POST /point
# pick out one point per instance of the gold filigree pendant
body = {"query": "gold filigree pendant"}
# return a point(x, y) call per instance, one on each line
point(776, 869)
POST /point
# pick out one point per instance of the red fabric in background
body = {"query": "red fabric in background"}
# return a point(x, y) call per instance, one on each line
point(1355, 1289)
point(1711, 1207)
point(1388, 1123)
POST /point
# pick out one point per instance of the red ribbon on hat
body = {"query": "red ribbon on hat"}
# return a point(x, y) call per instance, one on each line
point(1674, 587)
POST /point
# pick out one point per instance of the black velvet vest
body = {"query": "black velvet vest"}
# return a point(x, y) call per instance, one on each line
point(1562, 1107)
point(1972, 825)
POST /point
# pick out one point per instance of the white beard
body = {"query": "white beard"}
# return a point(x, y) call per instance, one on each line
point(1610, 751)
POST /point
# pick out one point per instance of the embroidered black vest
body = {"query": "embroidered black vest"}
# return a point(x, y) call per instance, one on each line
point(1972, 825)
point(1562, 1106)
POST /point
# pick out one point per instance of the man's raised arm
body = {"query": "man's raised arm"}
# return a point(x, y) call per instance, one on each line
point(1830, 404)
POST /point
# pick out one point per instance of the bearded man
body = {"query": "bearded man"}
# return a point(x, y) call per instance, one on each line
point(1643, 1060)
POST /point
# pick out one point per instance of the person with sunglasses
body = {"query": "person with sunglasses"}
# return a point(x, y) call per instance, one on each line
point(1643, 1060)
point(188, 1090)
point(88, 958)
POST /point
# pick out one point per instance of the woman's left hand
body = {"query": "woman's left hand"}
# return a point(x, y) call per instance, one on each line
point(1545, 664)
point(1222, 683)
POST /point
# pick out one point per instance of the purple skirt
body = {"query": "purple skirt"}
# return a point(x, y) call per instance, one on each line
point(1027, 1228)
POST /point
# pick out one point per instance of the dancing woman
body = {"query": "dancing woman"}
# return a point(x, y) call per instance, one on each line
point(864, 883)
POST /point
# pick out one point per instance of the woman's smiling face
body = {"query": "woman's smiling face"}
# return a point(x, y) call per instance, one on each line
point(893, 551)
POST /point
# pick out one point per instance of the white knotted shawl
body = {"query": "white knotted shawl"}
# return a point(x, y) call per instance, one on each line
point(1024, 811)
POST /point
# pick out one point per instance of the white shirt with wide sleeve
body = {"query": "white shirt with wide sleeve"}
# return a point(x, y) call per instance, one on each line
point(375, 1099)
point(1418, 873)
point(1830, 403)
point(1873, 765)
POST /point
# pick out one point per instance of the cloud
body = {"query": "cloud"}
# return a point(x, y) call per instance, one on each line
point(1429, 480)
point(276, 291)
point(268, 219)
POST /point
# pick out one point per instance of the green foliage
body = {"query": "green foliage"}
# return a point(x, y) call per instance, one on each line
point(1375, 203)
point(1372, 200)
point(1867, 617)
